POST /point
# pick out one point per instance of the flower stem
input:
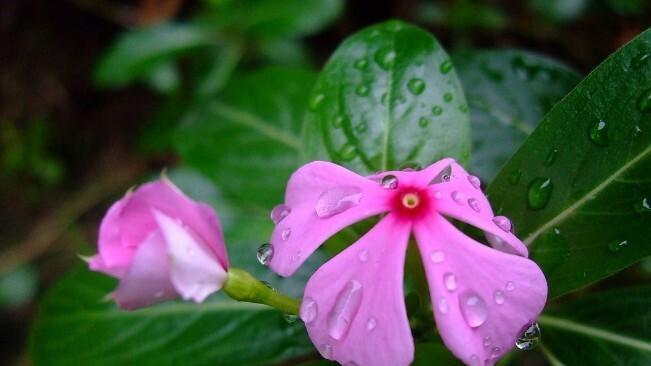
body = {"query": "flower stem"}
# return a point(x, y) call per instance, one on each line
point(242, 286)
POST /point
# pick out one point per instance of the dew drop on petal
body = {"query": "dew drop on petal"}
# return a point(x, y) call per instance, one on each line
point(474, 360)
point(363, 255)
point(344, 310)
point(495, 351)
point(528, 337)
point(474, 204)
point(437, 256)
point(457, 197)
point(450, 281)
point(438, 195)
point(487, 341)
point(371, 324)
point(442, 305)
point(326, 351)
point(337, 200)
point(279, 212)
point(510, 286)
point(503, 223)
point(265, 253)
point(473, 308)
point(390, 182)
point(474, 181)
point(309, 310)
point(285, 233)
point(499, 297)
point(443, 176)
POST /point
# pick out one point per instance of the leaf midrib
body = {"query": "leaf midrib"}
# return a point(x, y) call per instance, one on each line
point(387, 118)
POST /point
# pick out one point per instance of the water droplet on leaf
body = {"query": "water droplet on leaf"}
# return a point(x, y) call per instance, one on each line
point(361, 64)
point(338, 121)
point(437, 110)
point(644, 101)
point(265, 253)
point(316, 101)
point(446, 66)
point(362, 90)
point(344, 310)
point(347, 152)
point(385, 57)
point(598, 133)
point(551, 157)
point(641, 59)
point(514, 177)
point(337, 200)
point(448, 97)
point(540, 190)
point(416, 86)
point(642, 206)
point(616, 246)
point(423, 122)
point(361, 128)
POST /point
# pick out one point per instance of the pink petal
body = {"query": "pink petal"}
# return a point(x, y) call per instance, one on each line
point(354, 307)
point(490, 298)
point(301, 232)
point(147, 280)
point(96, 263)
point(195, 271)
point(460, 199)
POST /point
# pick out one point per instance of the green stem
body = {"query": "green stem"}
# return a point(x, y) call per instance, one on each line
point(242, 286)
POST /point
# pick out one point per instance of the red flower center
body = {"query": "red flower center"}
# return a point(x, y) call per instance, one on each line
point(411, 202)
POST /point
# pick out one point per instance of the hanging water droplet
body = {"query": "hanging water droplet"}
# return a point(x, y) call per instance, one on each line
point(448, 97)
point(290, 318)
point(363, 255)
point(510, 286)
point(344, 310)
point(423, 122)
point(514, 177)
point(416, 86)
point(361, 64)
point(347, 152)
point(457, 197)
point(503, 223)
point(371, 324)
point(285, 233)
point(644, 101)
point(474, 204)
point(616, 246)
point(362, 90)
point(642, 206)
point(540, 190)
point(442, 305)
point(450, 281)
point(474, 181)
point(443, 176)
point(641, 59)
point(361, 128)
point(446, 66)
point(473, 308)
point(598, 133)
point(326, 351)
point(551, 157)
point(316, 101)
point(338, 121)
point(529, 337)
point(437, 110)
point(487, 341)
point(499, 297)
point(390, 182)
point(437, 256)
point(337, 200)
point(309, 310)
point(279, 212)
point(265, 253)
point(385, 57)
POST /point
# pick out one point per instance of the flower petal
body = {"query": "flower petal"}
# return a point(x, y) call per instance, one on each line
point(195, 271)
point(322, 198)
point(146, 282)
point(354, 307)
point(461, 198)
point(482, 297)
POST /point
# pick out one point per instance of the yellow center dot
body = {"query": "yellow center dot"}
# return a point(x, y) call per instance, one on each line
point(410, 200)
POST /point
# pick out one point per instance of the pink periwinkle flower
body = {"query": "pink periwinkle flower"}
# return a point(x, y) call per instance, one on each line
point(161, 245)
point(353, 307)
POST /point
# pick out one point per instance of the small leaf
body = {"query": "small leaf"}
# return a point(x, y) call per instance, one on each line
point(586, 212)
point(388, 97)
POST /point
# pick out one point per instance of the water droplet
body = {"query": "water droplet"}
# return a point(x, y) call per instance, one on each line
point(442, 305)
point(510, 286)
point(326, 351)
point(644, 101)
point(495, 351)
point(344, 310)
point(285, 233)
point(474, 360)
point(362, 90)
point(463, 108)
point(438, 195)
point(450, 281)
point(474, 204)
point(316, 101)
point(616, 246)
point(503, 223)
point(437, 256)
point(474, 181)
point(385, 57)
point(279, 212)
point(642, 206)
point(337, 200)
point(540, 190)
point(265, 253)
point(363, 255)
point(499, 297)
point(529, 336)
point(446, 66)
point(457, 197)
point(361, 64)
point(641, 59)
point(347, 152)
point(487, 341)
point(309, 310)
point(423, 122)
point(443, 176)
point(437, 110)
point(514, 177)
point(598, 133)
point(390, 182)
point(448, 97)
point(473, 308)
point(384, 99)
point(637, 131)
point(361, 128)
point(371, 324)
point(416, 86)
point(290, 318)
point(551, 157)
point(338, 121)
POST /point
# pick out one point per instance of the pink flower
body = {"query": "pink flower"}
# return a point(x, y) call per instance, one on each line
point(161, 245)
point(353, 306)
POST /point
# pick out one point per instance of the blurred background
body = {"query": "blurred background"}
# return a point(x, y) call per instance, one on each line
point(92, 92)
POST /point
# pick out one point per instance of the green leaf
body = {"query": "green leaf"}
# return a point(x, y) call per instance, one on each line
point(433, 353)
point(509, 92)
point(76, 327)
point(579, 189)
point(388, 96)
point(247, 139)
point(559, 10)
point(142, 52)
point(608, 328)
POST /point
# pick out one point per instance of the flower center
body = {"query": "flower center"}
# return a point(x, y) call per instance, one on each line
point(410, 200)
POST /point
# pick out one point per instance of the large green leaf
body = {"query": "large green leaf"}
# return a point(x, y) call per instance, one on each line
point(76, 327)
point(388, 96)
point(579, 189)
point(509, 92)
point(246, 139)
point(609, 328)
